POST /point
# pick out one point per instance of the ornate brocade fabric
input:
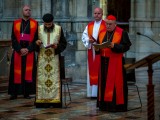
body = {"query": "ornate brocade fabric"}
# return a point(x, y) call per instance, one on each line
point(48, 70)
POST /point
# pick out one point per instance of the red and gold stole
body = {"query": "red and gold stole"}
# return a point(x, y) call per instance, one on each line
point(94, 64)
point(17, 56)
point(115, 74)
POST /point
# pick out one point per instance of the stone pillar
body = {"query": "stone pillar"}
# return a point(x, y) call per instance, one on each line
point(132, 9)
point(65, 8)
point(26, 2)
point(157, 9)
point(132, 18)
point(150, 5)
point(1, 9)
point(80, 68)
point(145, 18)
point(140, 9)
point(142, 21)
point(82, 8)
point(1, 18)
point(36, 8)
point(61, 8)
point(103, 5)
point(46, 7)
point(10, 10)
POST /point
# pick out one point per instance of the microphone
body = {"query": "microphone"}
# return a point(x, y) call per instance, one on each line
point(138, 33)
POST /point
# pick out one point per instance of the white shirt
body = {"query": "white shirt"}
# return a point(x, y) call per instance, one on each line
point(85, 37)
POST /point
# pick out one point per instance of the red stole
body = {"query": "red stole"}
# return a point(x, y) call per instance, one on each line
point(17, 56)
point(114, 77)
point(94, 64)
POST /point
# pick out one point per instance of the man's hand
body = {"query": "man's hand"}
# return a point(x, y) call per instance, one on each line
point(54, 46)
point(111, 45)
point(96, 49)
point(38, 42)
point(92, 39)
point(24, 51)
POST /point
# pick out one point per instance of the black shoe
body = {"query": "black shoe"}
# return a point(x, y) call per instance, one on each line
point(27, 97)
point(13, 97)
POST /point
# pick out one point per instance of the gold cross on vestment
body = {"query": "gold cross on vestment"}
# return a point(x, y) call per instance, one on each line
point(48, 83)
point(48, 52)
point(48, 68)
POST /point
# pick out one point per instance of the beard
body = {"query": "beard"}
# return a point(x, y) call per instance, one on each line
point(48, 30)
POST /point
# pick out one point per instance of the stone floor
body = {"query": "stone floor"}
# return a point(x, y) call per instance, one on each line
point(81, 107)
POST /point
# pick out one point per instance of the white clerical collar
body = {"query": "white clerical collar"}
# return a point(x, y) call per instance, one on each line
point(98, 22)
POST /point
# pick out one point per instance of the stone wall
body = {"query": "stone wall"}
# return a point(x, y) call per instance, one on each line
point(145, 18)
point(72, 15)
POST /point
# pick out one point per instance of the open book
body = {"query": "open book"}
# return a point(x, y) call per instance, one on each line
point(101, 46)
point(47, 46)
point(93, 38)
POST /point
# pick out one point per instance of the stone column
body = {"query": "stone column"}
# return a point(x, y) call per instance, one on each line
point(80, 22)
point(150, 5)
point(65, 8)
point(36, 9)
point(140, 9)
point(132, 18)
point(10, 9)
point(26, 2)
point(103, 5)
point(132, 9)
point(146, 24)
point(46, 7)
point(157, 9)
point(1, 9)
point(61, 8)
point(145, 18)
point(1, 12)
point(140, 22)
point(81, 8)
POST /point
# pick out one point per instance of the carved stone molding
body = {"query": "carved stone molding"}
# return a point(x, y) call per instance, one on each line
point(5, 43)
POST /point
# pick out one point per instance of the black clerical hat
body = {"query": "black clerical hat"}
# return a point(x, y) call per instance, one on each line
point(48, 18)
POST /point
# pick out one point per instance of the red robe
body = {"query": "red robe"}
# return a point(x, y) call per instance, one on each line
point(94, 63)
point(115, 75)
point(17, 56)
